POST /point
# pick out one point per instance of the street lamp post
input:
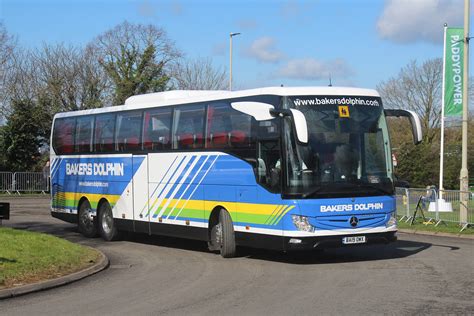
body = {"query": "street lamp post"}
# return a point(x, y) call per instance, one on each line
point(230, 62)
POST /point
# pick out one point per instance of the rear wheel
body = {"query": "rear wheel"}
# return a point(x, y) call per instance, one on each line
point(106, 224)
point(86, 224)
point(222, 236)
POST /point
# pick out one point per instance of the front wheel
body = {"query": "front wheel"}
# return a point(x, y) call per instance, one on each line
point(106, 224)
point(222, 235)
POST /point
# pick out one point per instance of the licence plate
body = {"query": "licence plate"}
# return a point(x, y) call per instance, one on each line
point(353, 240)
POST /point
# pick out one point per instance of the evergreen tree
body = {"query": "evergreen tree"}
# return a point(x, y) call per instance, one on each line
point(22, 137)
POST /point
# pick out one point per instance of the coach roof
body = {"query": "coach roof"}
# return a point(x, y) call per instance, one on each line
point(177, 97)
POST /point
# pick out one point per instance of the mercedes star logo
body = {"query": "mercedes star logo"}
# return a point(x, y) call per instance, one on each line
point(354, 221)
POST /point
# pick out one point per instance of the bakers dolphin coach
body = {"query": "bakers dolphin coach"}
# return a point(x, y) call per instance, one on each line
point(279, 168)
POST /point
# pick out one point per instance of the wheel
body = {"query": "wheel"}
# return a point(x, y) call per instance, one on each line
point(106, 224)
point(86, 224)
point(222, 236)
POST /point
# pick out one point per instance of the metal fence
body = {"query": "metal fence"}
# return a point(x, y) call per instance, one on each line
point(436, 207)
point(6, 181)
point(24, 182)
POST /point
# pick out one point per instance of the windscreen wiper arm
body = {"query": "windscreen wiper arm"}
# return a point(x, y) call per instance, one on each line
point(306, 194)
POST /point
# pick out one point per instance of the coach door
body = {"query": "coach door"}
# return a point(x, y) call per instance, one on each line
point(140, 194)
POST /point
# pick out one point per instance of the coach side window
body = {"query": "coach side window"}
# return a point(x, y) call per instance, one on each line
point(129, 126)
point(188, 127)
point(104, 133)
point(63, 135)
point(84, 127)
point(228, 128)
point(157, 129)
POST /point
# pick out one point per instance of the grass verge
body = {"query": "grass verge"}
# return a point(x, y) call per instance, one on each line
point(452, 228)
point(28, 257)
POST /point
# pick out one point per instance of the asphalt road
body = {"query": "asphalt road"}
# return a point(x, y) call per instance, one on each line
point(157, 275)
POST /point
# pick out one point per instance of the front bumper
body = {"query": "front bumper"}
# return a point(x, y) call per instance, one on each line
point(322, 242)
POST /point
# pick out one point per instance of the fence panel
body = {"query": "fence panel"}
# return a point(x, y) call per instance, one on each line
point(6, 182)
point(30, 182)
point(403, 209)
point(450, 206)
point(440, 207)
point(408, 199)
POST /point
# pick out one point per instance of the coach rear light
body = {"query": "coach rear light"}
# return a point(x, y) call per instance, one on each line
point(302, 223)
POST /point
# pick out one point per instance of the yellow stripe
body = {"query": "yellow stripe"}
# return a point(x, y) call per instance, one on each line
point(94, 198)
point(272, 222)
point(271, 216)
point(281, 216)
point(249, 208)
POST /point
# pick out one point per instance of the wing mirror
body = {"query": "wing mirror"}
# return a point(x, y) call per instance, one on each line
point(299, 121)
point(261, 111)
point(414, 120)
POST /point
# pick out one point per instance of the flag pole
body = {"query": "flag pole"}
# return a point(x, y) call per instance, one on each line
point(464, 176)
point(441, 154)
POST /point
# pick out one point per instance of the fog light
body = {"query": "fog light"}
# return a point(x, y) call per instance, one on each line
point(295, 241)
point(302, 223)
point(392, 220)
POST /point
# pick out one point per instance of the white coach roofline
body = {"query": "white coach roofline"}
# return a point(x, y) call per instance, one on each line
point(176, 97)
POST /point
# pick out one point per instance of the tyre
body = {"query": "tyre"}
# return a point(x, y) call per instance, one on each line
point(222, 236)
point(86, 224)
point(106, 225)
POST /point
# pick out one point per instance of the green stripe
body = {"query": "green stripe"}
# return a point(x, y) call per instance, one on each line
point(282, 211)
point(269, 218)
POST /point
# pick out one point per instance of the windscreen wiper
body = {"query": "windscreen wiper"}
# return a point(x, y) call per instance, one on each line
point(315, 190)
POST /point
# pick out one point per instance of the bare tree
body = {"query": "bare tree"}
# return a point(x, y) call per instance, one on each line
point(135, 57)
point(8, 45)
point(69, 77)
point(417, 88)
point(52, 79)
point(199, 74)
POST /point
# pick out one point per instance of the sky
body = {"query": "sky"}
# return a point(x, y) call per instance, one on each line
point(295, 43)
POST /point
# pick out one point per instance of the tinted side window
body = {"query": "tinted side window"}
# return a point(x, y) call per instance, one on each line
point(228, 128)
point(63, 136)
point(84, 127)
point(129, 126)
point(258, 143)
point(157, 129)
point(104, 133)
point(188, 127)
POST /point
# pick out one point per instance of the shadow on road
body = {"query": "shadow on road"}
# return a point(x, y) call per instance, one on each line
point(399, 249)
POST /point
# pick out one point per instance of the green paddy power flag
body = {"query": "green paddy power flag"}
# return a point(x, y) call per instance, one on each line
point(453, 75)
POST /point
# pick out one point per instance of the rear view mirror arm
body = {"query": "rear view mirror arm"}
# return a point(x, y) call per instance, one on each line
point(414, 120)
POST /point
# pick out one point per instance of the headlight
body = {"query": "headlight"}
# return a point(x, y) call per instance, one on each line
point(302, 223)
point(392, 220)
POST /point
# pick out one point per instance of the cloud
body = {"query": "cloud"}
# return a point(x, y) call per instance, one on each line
point(176, 8)
point(290, 9)
point(313, 69)
point(148, 9)
point(220, 49)
point(300, 12)
point(247, 24)
point(263, 49)
point(409, 21)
